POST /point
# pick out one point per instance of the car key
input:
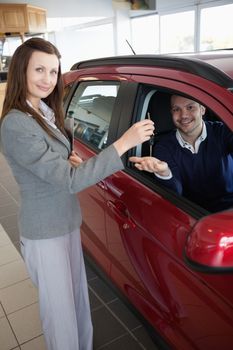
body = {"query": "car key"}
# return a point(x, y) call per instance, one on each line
point(152, 138)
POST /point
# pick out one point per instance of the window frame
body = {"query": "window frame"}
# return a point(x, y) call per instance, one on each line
point(146, 178)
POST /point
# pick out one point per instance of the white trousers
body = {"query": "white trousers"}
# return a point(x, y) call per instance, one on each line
point(56, 267)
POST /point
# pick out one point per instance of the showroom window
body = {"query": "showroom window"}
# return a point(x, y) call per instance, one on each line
point(194, 29)
point(145, 34)
point(213, 34)
point(177, 32)
point(92, 107)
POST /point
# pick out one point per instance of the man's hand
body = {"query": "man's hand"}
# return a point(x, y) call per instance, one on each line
point(151, 164)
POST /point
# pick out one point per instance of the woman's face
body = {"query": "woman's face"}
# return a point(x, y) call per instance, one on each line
point(42, 73)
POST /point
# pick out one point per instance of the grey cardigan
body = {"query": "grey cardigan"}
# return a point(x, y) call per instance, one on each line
point(47, 182)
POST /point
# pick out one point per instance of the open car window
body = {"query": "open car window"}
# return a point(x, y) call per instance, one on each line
point(155, 104)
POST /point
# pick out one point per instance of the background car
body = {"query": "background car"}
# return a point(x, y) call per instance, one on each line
point(169, 258)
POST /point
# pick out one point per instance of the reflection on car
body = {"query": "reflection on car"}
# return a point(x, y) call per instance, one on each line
point(92, 114)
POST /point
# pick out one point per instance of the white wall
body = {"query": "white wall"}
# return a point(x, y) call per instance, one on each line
point(122, 32)
point(83, 44)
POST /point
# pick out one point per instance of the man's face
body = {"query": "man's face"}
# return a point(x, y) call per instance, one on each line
point(187, 115)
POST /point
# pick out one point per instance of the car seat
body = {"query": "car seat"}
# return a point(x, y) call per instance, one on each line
point(159, 112)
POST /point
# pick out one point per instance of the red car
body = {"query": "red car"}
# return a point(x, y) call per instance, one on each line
point(170, 258)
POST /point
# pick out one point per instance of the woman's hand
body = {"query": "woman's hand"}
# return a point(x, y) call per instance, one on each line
point(74, 159)
point(151, 164)
point(138, 133)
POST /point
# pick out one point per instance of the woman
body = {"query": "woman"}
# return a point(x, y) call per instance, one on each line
point(37, 148)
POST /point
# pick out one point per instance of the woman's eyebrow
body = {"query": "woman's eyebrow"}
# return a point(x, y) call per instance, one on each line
point(43, 66)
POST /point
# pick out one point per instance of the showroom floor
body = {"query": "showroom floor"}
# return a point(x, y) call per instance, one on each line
point(115, 327)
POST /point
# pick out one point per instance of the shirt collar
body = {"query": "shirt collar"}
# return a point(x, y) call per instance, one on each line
point(46, 113)
point(198, 141)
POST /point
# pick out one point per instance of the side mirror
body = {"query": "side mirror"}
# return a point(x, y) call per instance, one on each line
point(209, 247)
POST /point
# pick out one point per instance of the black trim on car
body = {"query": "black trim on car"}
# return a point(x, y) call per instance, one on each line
point(191, 65)
point(206, 269)
point(116, 116)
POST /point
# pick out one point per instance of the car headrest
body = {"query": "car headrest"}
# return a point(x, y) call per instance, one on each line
point(103, 106)
point(159, 109)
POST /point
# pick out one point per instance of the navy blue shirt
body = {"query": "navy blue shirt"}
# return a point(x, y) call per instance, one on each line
point(206, 177)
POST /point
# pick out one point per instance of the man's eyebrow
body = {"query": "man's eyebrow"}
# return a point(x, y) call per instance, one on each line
point(191, 102)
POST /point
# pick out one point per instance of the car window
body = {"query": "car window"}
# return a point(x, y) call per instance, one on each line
point(92, 107)
point(155, 104)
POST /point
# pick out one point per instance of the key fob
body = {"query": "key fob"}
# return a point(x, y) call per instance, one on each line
point(152, 140)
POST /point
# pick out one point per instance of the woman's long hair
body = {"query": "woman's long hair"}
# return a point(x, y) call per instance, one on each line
point(16, 91)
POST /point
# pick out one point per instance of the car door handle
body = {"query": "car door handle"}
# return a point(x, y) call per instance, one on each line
point(122, 213)
point(102, 185)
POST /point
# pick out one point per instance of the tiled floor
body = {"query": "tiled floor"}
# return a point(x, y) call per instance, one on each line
point(115, 327)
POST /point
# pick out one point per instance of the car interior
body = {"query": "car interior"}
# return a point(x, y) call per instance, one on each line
point(159, 111)
point(156, 106)
point(92, 117)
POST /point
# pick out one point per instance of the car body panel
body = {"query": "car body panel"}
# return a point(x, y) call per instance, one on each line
point(154, 246)
point(137, 232)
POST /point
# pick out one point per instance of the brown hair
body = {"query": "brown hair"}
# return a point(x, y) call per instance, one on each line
point(16, 91)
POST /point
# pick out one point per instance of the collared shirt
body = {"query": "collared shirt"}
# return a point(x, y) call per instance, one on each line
point(198, 141)
point(187, 145)
point(46, 113)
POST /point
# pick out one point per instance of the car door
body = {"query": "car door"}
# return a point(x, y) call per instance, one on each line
point(147, 228)
point(92, 105)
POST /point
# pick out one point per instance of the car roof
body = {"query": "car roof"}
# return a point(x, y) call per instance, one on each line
point(221, 59)
point(216, 66)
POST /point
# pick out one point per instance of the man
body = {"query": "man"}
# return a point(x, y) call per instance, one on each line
point(196, 160)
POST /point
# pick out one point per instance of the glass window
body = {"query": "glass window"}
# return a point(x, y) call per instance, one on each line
point(216, 30)
point(145, 34)
point(92, 107)
point(177, 32)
